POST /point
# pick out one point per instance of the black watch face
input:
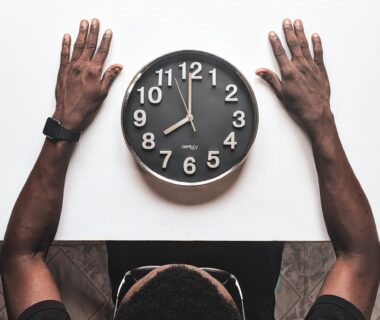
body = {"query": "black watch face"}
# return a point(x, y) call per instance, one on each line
point(51, 128)
point(189, 118)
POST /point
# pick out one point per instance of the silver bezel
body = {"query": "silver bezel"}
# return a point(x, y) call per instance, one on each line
point(181, 183)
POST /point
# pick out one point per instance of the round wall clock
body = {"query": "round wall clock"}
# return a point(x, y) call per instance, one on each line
point(189, 118)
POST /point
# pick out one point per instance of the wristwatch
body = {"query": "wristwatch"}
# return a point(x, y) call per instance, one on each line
point(55, 131)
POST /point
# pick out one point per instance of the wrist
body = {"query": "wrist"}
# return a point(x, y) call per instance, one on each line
point(55, 130)
point(323, 129)
point(325, 139)
point(68, 122)
point(59, 150)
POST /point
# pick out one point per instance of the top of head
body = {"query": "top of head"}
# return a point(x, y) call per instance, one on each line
point(178, 292)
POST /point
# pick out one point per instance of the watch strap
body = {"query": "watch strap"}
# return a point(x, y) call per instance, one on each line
point(55, 131)
point(68, 135)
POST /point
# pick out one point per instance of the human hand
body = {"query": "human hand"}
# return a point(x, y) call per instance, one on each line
point(81, 88)
point(304, 88)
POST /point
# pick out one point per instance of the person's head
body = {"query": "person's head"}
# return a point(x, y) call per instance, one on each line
point(177, 292)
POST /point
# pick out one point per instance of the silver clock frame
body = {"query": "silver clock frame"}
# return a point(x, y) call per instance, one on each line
point(182, 183)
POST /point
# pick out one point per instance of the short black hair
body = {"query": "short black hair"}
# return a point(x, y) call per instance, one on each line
point(178, 293)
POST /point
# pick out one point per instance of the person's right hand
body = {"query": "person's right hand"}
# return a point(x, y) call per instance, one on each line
point(81, 88)
point(304, 87)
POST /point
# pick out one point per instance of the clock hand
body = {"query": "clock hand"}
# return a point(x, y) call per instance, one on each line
point(190, 99)
point(180, 92)
point(189, 115)
point(190, 92)
point(177, 125)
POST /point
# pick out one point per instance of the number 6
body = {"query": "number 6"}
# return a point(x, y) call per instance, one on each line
point(189, 166)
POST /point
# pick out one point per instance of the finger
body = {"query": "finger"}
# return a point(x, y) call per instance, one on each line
point(80, 41)
point(109, 76)
point(318, 51)
point(65, 51)
point(92, 40)
point(278, 49)
point(65, 57)
point(291, 39)
point(104, 47)
point(304, 44)
point(271, 78)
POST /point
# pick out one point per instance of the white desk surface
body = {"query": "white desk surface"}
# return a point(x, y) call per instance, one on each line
point(276, 195)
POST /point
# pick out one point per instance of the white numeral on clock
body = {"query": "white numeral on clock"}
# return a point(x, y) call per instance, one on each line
point(154, 95)
point(148, 141)
point(240, 119)
point(231, 89)
point(189, 166)
point(161, 75)
point(183, 68)
point(142, 95)
point(197, 68)
point(139, 117)
point(213, 77)
point(230, 141)
point(155, 91)
point(167, 154)
point(213, 159)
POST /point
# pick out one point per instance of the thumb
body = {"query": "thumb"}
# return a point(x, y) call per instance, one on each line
point(109, 76)
point(272, 79)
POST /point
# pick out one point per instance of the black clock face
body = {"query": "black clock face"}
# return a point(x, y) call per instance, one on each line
point(189, 118)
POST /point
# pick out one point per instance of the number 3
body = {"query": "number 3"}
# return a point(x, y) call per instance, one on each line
point(240, 119)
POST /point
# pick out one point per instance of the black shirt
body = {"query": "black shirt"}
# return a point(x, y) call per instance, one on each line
point(46, 310)
point(334, 308)
point(324, 308)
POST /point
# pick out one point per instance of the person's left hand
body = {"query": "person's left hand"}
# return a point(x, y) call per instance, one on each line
point(81, 88)
point(304, 87)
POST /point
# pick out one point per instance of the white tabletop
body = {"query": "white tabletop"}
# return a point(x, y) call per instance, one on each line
point(275, 197)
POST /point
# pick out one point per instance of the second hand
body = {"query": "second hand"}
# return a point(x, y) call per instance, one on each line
point(190, 116)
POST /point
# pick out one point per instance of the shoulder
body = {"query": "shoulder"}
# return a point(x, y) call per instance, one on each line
point(47, 309)
point(332, 307)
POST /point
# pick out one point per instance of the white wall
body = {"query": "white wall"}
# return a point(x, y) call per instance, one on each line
point(276, 195)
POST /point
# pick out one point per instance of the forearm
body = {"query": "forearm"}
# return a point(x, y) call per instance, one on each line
point(35, 216)
point(346, 210)
point(305, 92)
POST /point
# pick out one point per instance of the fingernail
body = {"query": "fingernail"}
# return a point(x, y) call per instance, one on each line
point(66, 38)
point(94, 22)
point(83, 24)
point(315, 35)
point(287, 21)
point(272, 34)
point(298, 23)
point(108, 32)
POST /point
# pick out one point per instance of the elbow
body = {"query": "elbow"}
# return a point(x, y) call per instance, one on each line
point(377, 257)
point(11, 260)
point(373, 261)
point(12, 256)
point(367, 259)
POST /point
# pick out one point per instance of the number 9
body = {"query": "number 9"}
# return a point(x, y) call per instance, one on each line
point(139, 117)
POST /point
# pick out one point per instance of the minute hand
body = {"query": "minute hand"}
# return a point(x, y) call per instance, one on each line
point(190, 93)
point(190, 116)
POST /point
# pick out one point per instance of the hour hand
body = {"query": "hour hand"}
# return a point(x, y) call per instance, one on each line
point(176, 125)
